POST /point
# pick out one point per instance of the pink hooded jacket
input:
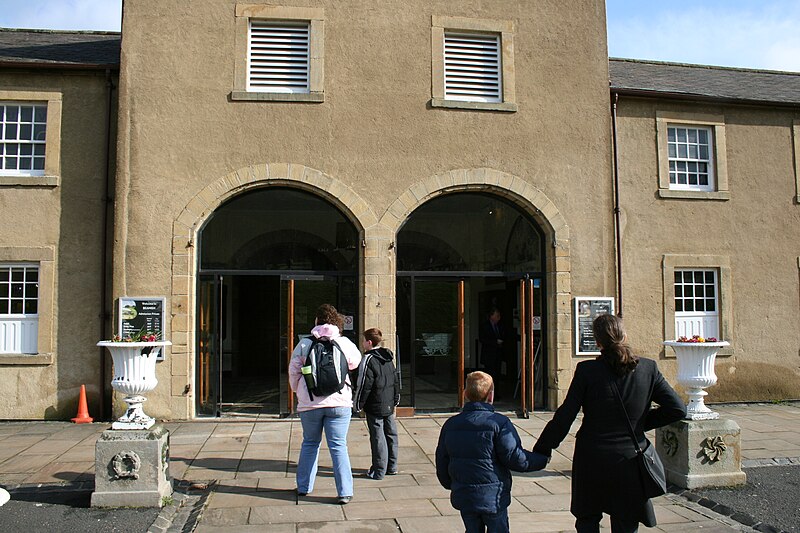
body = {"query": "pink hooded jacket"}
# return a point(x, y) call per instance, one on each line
point(351, 353)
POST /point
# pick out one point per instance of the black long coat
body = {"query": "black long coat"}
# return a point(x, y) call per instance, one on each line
point(605, 476)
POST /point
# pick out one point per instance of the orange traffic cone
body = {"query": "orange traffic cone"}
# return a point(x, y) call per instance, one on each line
point(83, 411)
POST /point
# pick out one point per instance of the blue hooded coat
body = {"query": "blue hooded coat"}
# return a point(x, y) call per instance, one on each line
point(477, 451)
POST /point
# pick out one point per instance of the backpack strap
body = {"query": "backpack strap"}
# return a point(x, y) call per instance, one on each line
point(311, 361)
point(343, 370)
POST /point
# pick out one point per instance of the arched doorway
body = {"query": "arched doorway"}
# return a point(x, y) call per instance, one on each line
point(461, 257)
point(267, 259)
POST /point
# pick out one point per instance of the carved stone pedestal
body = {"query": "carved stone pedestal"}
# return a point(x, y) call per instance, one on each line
point(132, 468)
point(701, 453)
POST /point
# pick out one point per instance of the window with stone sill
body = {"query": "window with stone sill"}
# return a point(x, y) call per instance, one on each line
point(691, 156)
point(691, 165)
point(696, 303)
point(279, 53)
point(697, 297)
point(19, 308)
point(473, 64)
point(30, 137)
point(23, 132)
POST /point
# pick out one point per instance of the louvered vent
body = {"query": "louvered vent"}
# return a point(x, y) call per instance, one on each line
point(472, 67)
point(278, 57)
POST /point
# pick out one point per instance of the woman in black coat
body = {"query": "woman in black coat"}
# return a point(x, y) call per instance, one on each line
point(605, 474)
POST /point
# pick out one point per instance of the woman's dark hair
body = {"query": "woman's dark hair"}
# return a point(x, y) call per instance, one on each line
point(327, 314)
point(610, 334)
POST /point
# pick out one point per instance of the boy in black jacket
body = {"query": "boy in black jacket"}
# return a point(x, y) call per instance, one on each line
point(377, 394)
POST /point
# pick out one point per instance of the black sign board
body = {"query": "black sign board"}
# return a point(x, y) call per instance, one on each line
point(140, 314)
point(587, 308)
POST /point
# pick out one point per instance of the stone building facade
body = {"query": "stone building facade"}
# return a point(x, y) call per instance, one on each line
point(415, 164)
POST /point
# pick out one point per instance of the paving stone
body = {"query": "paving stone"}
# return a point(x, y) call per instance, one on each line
point(544, 502)
point(430, 524)
point(297, 513)
point(415, 492)
point(354, 526)
point(226, 517)
point(390, 509)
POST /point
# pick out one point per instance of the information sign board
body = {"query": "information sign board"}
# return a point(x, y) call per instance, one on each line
point(587, 308)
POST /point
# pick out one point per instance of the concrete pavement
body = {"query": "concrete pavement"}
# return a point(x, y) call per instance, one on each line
point(253, 464)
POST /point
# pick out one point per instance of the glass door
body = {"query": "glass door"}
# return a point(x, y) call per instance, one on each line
point(301, 295)
point(530, 381)
point(209, 347)
point(436, 333)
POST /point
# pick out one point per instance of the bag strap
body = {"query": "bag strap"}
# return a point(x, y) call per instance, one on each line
point(618, 396)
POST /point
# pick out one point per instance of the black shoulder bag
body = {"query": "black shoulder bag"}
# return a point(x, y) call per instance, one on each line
point(651, 470)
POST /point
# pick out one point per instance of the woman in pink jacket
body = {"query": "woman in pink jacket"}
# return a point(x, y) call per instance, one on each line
point(330, 413)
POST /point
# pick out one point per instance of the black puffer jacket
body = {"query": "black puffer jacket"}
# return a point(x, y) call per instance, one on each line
point(378, 388)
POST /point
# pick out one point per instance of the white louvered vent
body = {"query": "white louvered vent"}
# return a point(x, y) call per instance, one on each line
point(278, 57)
point(472, 70)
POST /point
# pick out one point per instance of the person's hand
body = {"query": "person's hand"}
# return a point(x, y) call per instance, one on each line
point(539, 461)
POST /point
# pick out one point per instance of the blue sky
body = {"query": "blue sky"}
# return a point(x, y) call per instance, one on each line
point(762, 34)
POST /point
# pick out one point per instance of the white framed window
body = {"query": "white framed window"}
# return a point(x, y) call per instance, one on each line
point(473, 67)
point(691, 165)
point(19, 308)
point(696, 302)
point(692, 156)
point(23, 132)
point(278, 56)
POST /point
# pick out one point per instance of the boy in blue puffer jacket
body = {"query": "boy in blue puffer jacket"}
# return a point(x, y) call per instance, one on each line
point(477, 451)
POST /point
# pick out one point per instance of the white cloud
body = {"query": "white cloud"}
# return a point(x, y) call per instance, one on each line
point(61, 14)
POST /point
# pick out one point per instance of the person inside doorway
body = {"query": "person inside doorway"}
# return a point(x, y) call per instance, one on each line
point(330, 413)
point(491, 336)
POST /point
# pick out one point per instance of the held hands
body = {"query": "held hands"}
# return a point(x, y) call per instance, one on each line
point(538, 461)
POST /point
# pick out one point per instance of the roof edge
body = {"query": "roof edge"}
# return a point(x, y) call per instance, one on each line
point(700, 66)
point(674, 95)
point(56, 65)
point(61, 32)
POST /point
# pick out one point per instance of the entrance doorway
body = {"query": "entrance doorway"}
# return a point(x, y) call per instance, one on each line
point(462, 257)
point(269, 258)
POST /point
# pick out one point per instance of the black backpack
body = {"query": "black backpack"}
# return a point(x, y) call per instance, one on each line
point(328, 368)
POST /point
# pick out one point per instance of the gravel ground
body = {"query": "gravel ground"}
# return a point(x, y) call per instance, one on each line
point(32, 511)
point(771, 496)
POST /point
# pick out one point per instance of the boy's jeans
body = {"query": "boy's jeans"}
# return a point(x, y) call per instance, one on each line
point(384, 442)
point(335, 421)
point(486, 523)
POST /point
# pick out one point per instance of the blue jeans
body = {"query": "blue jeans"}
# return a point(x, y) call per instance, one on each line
point(335, 421)
point(486, 523)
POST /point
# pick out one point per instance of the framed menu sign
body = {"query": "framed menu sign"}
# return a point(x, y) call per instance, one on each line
point(587, 308)
point(141, 314)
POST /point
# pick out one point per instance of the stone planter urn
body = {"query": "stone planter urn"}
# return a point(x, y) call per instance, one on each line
point(134, 376)
point(696, 373)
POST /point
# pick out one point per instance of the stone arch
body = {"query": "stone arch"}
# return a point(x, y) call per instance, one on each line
point(556, 232)
point(197, 211)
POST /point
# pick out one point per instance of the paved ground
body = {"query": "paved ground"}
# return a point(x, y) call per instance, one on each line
point(253, 463)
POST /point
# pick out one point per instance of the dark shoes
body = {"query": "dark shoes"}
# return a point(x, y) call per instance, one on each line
point(373, 475)
point(341, 500)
